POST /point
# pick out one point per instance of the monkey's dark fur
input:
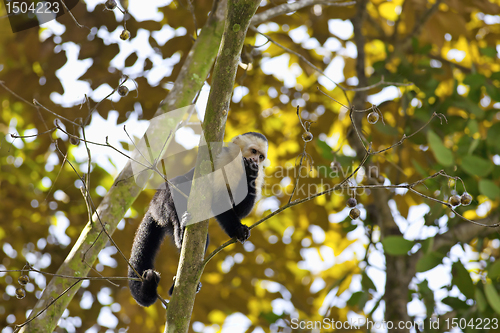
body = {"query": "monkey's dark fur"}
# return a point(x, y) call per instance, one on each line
point(162, 219)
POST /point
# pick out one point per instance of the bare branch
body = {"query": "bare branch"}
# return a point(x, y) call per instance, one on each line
point(465, 232)
point(380, 83)
point(292, 7)
point(18, 327)
point(302, 58)
point(73, 17)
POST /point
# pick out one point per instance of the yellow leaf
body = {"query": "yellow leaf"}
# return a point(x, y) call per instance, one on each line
point(212, 278)
point(216, 317)
point(470, 214)
point(388, 11)
point(445, 88)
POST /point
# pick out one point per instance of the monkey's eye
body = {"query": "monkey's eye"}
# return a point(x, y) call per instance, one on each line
point(254, 151)
point(261, 157)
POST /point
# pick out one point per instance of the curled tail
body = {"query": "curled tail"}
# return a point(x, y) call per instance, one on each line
point(147, 241)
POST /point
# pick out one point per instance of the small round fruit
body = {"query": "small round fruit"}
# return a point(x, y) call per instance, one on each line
point(381, 179)
point(125, 34)
point(351, 202)
point(354, 213)
point(454, 200)
point(110, 4)
point(20, 293)
point(307, 136)
point(466, 199)
point(74, 141)
point(23, 279)
point(122, 91)
point(372, 117)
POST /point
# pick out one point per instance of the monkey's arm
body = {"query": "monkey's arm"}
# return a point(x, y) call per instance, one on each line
point(230, 220)
point(231, 224)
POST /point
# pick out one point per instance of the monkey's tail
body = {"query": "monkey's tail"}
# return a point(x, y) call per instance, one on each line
point(147, 241)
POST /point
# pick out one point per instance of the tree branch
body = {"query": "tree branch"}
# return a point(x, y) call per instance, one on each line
point(124, 192)
point(466, 232)
point(239, 14)
point(292, 7)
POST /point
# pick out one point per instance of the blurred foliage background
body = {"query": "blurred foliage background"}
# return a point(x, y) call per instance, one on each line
point(311, 261)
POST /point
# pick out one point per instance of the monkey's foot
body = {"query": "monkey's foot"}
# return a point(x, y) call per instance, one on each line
point(144, 292)
point(242, 233)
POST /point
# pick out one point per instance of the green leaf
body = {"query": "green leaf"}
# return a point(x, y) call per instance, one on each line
point(492, 296)
point(476, 166)
point(419, 168)
point(270, 317)
point(480, 300)
point(475, 80)
point(489, 189)
point(355, 297)
point(469, 106)
point(493, 92)
point(455, 303)
point(443, 155)
point(347, 225)
point(358, 298)
point(488, 51)
point(429, 261)
point(397, 245)
point(495, 76)
point(427, 244)
point(386, 129)
point(473, 126)
point(427, 297)
point(494, 270)
point(493, 136)
point(461, 278)
point(367, 283)
point(325, 149)
point(473, 146)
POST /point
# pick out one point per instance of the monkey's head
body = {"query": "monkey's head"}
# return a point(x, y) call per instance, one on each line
point(253, 145)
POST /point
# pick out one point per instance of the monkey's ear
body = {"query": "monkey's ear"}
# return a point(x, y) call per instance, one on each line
point(266, 163)
point(236, 139)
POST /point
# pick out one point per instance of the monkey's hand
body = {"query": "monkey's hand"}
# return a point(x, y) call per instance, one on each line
point(242, 233)
point(251, 168)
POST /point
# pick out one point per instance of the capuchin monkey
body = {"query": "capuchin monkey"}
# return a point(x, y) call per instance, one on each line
point(162, 217)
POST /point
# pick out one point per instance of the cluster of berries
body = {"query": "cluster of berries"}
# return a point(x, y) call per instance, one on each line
point(23, 280)
point(110, 5)
point(465, 199)
point(354, 212)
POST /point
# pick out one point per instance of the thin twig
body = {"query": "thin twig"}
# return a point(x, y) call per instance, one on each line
point(380, 83)
point(18, 327)
point(302, 155)
point(292, 7)
point(191, 9)
point(37, 103)
point(73, 17)
point(80, 278)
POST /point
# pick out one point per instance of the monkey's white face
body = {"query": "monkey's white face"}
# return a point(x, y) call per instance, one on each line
point(252, 147)
point(255, 153)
